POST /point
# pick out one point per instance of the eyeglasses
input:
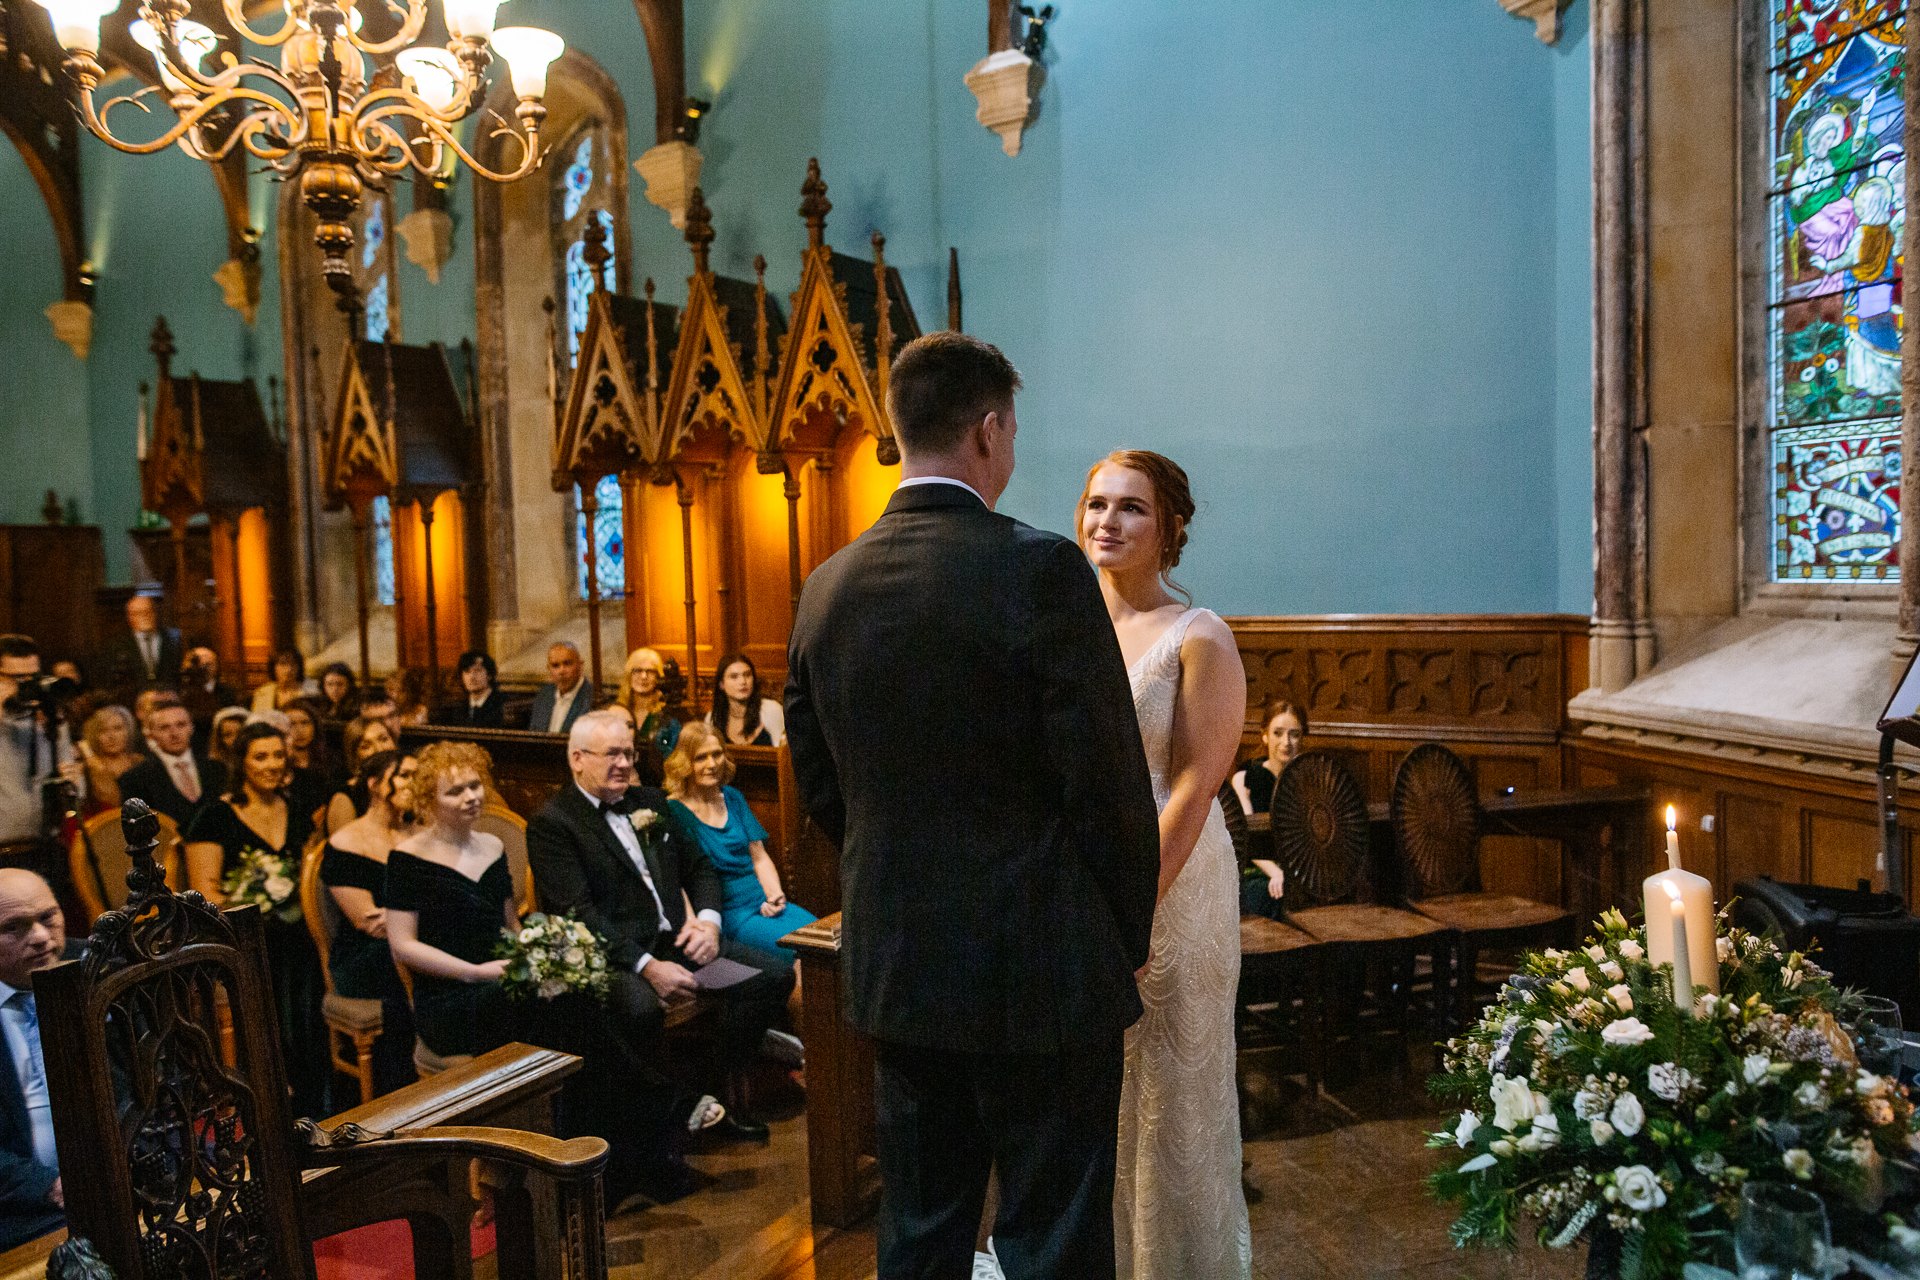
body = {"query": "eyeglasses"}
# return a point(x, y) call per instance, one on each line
point(617, 755)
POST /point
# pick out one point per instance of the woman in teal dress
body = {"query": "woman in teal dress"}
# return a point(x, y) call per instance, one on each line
point(755, 912)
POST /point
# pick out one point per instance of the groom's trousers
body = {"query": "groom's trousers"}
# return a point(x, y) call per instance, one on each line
point(1047, 1122)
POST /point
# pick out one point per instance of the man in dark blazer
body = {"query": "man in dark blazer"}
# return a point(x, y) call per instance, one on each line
point(962, 724)
point(612, 853)
point(144, 656)
point(33, 936)
point(179, 778)
point(564, 698)
point(483, 706)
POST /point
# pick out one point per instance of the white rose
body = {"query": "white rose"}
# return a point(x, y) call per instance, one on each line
point(1621, 996)
point(1754, 1067)
point(1539, 1138)
point(1602, 1132)
point(1500, 1147)
point(573, 955)
point(1639, 1189)
point(1667, 1081)
point(1626, 1031)
point(1799, 1162)
point(1612, 969)
point(642, 819)
point(527, 936)
point(1463, 1132)
point(1588, 1104)
point(1578, 980)
point(1631, 949)
point(1597, 952)
point(1513, 1101)
point(1809, 1095)
point(1713, 1164)
point(1627, 1115)
point(1723, 949)
point(279, 888)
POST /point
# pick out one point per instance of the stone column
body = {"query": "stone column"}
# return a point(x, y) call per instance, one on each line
point(1622, 633)
point(492, 407)
point(1909, 633)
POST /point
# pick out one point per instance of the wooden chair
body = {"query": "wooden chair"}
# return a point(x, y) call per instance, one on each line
point(1436, 834)
point(97, 859)
point(498, 820)
point(1319, 824)
point(195, 1168)
point(353, 1023)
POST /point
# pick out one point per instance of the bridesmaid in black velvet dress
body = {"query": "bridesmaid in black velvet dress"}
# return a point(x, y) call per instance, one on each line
point(254, 814)
point(354, 869)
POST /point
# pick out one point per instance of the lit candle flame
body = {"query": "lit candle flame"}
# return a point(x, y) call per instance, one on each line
point(1673, 819)
point(1673, 890)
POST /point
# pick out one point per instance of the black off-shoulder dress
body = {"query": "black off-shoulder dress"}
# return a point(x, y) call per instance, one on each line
point(362, 968)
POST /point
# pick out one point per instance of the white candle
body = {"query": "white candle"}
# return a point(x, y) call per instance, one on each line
point(1673, 840)
point(1696, 897)
point(1682, 958)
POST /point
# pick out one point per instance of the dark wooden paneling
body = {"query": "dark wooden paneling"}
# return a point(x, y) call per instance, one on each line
point(1750, 843)
point(52, 572)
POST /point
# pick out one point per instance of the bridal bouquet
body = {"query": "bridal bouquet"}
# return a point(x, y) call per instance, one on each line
point(266, 880)
point(1589, 1100)
point(550, 956)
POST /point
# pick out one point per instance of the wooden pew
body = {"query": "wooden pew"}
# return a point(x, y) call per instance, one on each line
point(842, 1171)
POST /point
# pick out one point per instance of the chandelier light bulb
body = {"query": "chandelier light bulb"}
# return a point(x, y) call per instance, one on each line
point(435, 75)
point(528, 51)
point(76, 23)
point(470, 19)
point(195, 42)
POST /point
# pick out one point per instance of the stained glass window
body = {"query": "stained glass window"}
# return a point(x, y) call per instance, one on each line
point(382, 551)
point(1837, 212)
point(375, 233)
point(376, 302)
point(578, 179)
point(607, 547)
point(580, 285)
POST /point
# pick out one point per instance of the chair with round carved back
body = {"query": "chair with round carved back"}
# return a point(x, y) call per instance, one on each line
point(1436, 834)
point(1319, 830)
point(353, 1024)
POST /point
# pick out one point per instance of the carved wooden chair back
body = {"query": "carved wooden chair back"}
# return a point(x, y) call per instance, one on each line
point(511, 829)
point(191, 1165)
point(322, 913)
point(98, 861)
point(1436, 823)
point(1320, 830)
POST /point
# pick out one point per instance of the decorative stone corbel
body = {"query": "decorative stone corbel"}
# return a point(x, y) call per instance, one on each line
point(1007, 84)
point(429, 237)
point(73, 325)
point(1544, 14)
point(672, 171)
point(239, 281)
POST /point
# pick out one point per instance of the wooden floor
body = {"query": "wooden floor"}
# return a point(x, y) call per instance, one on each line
point(1335, 1189)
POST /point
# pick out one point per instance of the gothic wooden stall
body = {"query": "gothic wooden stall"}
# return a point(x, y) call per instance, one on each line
point(402, 432)
point(213, 453)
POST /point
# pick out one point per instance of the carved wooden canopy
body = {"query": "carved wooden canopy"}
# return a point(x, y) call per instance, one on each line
point(212, 450)
point(400, 428)
point(827, 383)
point(611, 419)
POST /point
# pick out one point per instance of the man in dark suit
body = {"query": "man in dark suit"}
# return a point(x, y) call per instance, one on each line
point(962, 724)
point(483, 706)
point(178, 778)
point(144, 656)
point(596, 852)
point(564, 698)
point(33, 936)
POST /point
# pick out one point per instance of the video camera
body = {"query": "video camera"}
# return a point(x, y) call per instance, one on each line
point(40, 693)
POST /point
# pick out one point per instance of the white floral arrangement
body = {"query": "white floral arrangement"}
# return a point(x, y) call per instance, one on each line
point(1590, 1101)
point(265, 880)
point(551, 955)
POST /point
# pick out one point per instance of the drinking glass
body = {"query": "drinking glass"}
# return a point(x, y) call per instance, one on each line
point(1782, 1234)
point(1878, 1038)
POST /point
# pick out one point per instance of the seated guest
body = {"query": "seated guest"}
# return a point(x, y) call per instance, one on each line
point(408, 689)
point(143, 710)
point(449, 895)
point(742, 716)
point(253, 815)
point(354, 869)
point(485, 706)
point(755, 910)
point(339, 693)
point(564, 697)
point(289, 682)
point(107, 751)
point(365, 738)
point(33, 936)
point(1262, 882)
point(653, 896)
point(314, 778)
point(641, 695)
point(377, 704)
point(177, 779)
point(224, 734)
point(202, 690)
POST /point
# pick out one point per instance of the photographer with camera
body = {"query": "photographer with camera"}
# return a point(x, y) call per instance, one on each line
point(40, 778)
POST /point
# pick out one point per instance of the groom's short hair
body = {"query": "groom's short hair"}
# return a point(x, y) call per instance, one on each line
point(943, 383)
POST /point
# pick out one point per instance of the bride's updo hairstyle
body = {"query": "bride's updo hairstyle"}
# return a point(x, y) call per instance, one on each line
point(1172, 504)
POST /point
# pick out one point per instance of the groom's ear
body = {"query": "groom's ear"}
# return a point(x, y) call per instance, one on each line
point(981, 436)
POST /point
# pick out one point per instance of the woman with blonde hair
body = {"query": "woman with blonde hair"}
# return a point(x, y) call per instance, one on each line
point(107, 751)
point(641, 695)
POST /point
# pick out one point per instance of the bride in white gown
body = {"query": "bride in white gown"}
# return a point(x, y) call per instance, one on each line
point(1179, 1211)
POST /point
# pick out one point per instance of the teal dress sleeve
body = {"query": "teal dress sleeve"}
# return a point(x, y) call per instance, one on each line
point(741, 920)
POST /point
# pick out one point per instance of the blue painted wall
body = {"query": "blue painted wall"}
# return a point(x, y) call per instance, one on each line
point(1333, 259)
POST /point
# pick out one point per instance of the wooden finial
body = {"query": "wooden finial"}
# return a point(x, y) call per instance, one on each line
point(653, 367)
point(699, 229)
point(814, 205)
point(760, 354)
point(162, 345)
point(883, 327)
point(953, 289)
point(596, 253)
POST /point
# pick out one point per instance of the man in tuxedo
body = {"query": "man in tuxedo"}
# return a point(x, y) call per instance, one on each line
point(146, 655)
point(33, 936)
point(564, 698)
point(612, 853)
point(962, 725)
point(177, 778)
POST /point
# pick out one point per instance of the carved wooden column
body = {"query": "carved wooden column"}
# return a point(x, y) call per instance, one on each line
point(1622, 631)
point(1908, 635)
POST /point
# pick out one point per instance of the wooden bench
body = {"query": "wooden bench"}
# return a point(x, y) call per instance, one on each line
point(842, 1170)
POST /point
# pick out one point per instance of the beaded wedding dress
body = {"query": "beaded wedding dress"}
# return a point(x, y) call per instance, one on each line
point(1179, 1212)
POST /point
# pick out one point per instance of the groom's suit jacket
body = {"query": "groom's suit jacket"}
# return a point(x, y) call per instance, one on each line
point(961, 723)
point(579, 866)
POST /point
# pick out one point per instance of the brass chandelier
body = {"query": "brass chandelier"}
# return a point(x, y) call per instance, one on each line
point(335, 124)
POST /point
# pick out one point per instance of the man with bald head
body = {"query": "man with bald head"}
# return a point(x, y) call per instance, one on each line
point(33, 936)
point(564, 698)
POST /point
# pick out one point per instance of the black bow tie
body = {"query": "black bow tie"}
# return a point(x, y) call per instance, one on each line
point(611, 806)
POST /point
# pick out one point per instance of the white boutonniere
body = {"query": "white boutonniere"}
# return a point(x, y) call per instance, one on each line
point(643, 820)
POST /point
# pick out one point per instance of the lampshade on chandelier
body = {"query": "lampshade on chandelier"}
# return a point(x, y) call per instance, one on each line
point(326, 125)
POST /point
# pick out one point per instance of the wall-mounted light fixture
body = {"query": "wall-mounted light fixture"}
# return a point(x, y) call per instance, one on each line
point(697, 109)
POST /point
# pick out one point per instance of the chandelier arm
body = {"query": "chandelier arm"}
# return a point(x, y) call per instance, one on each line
point(236, 14)
point(530, 152)
point(411, 28)
point(396, 100)
point(375, 143)
point(96, 122)
point(387, 103)
point(242, 135)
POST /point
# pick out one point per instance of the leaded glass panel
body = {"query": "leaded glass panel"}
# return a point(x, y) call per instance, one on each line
point(1837, 211)
point(383, 551)
point(608, 547)
point(580, 286)
point(377, 309)
point(375, 233)
point(577, 180)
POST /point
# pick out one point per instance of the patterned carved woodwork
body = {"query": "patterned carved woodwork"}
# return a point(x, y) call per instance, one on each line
point(1319, 826)
point(1436, 822)
point(610, 421)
